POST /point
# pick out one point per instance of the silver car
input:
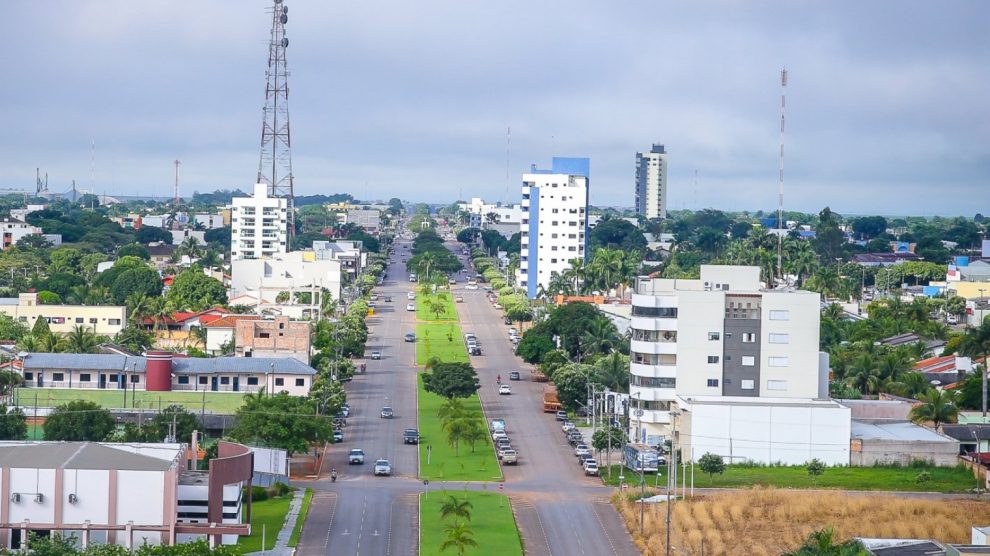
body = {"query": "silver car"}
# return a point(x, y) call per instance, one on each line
point(383, 468)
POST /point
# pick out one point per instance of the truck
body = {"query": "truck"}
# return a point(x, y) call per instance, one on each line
point(641, 458)
point(551, 403)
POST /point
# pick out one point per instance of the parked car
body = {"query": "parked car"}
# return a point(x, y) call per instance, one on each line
point(376, 355)
point(583, 459)
point(568, 426)
point(509, 457)
point(383, 468)
point(338, 436)
point(514, 375)
point(951, 319)
point(410, 295)
point(355, 457)
point(502, 449)
point(410, 306)
point(513, 332)
point(410, 436)
point(591, 468)
point(561, 415)
point(508, 320)
point(581, 449)
point(459, 299)
point(500, 433)
point(502, 443)
point(504, 390)
point(497, 424)
point(475, 350)
point(574, 438)
point(452, 281)
point(410, 337)
point(387, 412)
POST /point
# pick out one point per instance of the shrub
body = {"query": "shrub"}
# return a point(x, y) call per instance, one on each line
point(281, 489)
point(923, 477)
point(258, 494)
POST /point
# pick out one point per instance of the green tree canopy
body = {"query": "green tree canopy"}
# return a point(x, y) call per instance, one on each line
point(13, 424)
point(451, 380)
point(281, 421)
point(79, 420)
point(193, 290)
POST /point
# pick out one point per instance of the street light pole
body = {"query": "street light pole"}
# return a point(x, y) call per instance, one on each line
point(673, 420)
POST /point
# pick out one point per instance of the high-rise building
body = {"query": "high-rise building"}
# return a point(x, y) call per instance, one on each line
point(725, 340)
point(651, 183)
point(554, 228)
point(259, 225)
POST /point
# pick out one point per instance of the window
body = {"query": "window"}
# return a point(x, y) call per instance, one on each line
point(780, 361)
point(58, 377)
point(780, 315)
point(225, 380)
point(300, 382)
point(713, 336)
point(203, 380)
point(749, 337)
point(113, 322)
point(252, 381)
point(660, 312)
point(183, 380)
point(713, 359)
point(654, 382)
point(92, 321)
point(279, 382)
point(85, 377)
point(777, 385)
point(264, 335)
point(780, 338)
point(748, 360)
point(747, 384)
point(135, 379)
point(28, 376)
point(713, 383)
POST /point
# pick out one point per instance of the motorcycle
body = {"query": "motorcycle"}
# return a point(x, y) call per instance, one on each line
point(333, 476)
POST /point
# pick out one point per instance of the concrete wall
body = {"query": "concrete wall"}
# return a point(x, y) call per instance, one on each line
point(872, 451)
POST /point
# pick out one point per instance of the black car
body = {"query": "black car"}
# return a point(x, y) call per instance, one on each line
point(474, 350)
point(514, 375)
point(410, 436)
point(574, 438)
point(508, 321)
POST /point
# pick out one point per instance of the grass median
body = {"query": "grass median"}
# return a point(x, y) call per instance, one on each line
point(492, 523)
point(443, 462)
point(435, 306)
point(904, 479)
point(441, 340)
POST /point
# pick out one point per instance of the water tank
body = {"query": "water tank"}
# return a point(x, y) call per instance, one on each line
point(158, 373)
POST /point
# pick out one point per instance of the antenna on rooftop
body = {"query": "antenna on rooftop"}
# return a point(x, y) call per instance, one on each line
point(780, 196)
point(175, 200)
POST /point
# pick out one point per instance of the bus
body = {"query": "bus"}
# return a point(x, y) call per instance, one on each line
point(641, 458)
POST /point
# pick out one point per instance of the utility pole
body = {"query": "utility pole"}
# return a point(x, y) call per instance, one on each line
point(671, 466)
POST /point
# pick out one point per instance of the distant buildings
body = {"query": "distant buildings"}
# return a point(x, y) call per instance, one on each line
point(259, 225)
point(299, 275)
point(14, 230)
point(278, 337)
point(101, 319)
point(651, 183)
point(505, 219)
point(554, 226)
point(369, 220)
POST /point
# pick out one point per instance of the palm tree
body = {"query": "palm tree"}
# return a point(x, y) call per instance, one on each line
point(139, 307)
point(613, 372)
point(50, 343)
point(823, 543)
point(975, 344)
point(211, 259)
point(190, 247)
point(937, 406)
point(459, 537)
point(29, 344)
point(457, 508)
point(600, 337)
point(864, 374)
point(8, 380)
point(576, 272)
point(81, 340)
point(451, 408)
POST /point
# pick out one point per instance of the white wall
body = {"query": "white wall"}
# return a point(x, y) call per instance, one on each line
point(217, 337)
point(140, 498)
point(28, 482)
point(92, 487)
point(802, 330)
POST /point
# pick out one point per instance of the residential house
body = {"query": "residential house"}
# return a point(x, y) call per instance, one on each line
point(300, 274)
point(891, 441)
point(884, 259)
point(14, 230)
point(945, 370)
point(278, 337)
point(220, 332)
point(105, 320)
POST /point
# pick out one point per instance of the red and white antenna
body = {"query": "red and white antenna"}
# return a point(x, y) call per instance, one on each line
point(175, 201)
point(780, 196)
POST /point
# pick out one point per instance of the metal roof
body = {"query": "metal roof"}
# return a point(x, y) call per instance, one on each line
point(184, 365)
point(84, 362)
point(965, 433)
point(895, 431)
point(86, 455)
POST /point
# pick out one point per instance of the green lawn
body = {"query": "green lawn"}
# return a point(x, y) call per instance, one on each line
point(442, 340)
point(303, 512)
point(943, 479)
point(425, 312)
point(492, 523)
point(216, 402)
point(444, 465)
point(271, 514)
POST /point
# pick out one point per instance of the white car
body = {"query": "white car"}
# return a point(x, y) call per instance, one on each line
point(567, 426)
point(591, 467)
point(504, 390)
point(383, 467)
point(410, 307)
point(581, 450)
point(499, 433)
point(411, 295)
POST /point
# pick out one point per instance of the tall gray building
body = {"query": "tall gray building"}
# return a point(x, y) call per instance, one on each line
point(651, 183)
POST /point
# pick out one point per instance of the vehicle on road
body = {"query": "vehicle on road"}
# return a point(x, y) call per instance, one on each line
point(508, 320)
point(951, 319)
point(499, 433)
point(513, 332)
point(561, 415)
point(345, 411)
point(504, 390)
point(551, 403)
point(574, 438)
point(503, 444)
point(641, 458)
point(497, 424)
point(383, 468)
point(355, 457)
point(376, 355)
point(412, 277)
point(509, 457)
point(410, 295)
point(474, 350)
point(410, 306)
point(373, 297)
point(581, 449)
point(338, 436)
point(410, 436)
point(452, 281)
point(568, 426)
point(388, 299)
point(410, 337)
point(591, 468)
point(514, 375)
point(585, 458)
point(459, 299)
point(387, 412)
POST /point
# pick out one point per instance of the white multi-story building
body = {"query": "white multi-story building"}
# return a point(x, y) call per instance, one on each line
point(651, 183)
point(703, 349)
point(554, 225)
point(259, 225)
point(296, 273)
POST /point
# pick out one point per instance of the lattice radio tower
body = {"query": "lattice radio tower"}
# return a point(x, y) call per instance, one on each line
point(275, 164)
point(780, 195)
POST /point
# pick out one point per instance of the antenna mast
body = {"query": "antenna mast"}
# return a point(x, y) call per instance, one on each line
point(275, 164)
point(175, 201)
point(780, 196)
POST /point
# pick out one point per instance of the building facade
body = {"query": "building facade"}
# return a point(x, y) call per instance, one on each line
point(259, 225)
point(278, 337)
point(721, 336)
point(14, 230)
point(105, 320)
point(298, 272)
point(651, 183)
point(554, 228)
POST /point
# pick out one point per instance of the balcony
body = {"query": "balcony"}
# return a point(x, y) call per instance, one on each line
point(653, 371)
point(656, 348)
point(652, 323)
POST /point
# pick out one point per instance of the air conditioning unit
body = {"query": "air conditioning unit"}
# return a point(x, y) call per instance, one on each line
point(15, 498)
point(73, 498)
point(39, 498)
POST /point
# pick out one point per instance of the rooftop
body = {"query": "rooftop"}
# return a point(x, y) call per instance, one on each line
point(756, 402)
point(863, 429)
point(89, 455)
point(185, 365)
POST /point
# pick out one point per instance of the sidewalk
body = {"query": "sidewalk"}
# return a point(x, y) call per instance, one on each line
point(282, 547)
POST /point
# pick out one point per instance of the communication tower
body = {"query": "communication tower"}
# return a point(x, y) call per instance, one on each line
point(780, 195)
point(275, 164)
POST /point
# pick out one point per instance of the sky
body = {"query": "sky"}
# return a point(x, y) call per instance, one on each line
point(887, 101)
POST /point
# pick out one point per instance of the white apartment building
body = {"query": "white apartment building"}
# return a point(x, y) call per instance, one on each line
point(554, 227)
point(14, 230)
point(651, 183)
point(294, 272)
point(259, 225)
point(724, 341)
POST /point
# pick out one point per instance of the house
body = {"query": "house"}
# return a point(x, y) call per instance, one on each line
point(296, 273)
point(14, 230)
point(278, 337)
point(972, 437)
point(125, 494)
point(931, 346)
point(946, 370)
point(220, 332)
point(160, 253)
point(369, 220)
point(348, 252)
point(162, 371)
point(181, 236)
point(884, 259)
point(105, 320)
point(890, 441)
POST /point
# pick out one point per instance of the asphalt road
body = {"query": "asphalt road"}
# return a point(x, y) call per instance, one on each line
point(558, 509)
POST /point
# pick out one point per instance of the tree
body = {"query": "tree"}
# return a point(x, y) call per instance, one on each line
point(10, 329)
point(134, 250)
point(9, 380)
point(869, 226)
point(81, 340)
point(975, 344)
point(451, 380)
point(823, 543)
point(194, 290)
point(79, 420)
point(282, 421)
point(713, 464)
point(474, 433)
point(815, 467)
point(64, 259)
point(468, 235)
point(459, 537)
point(135, 339)
point(600, 440)
point(454, 507)
point(617, 234)
point(13, 424)
point(40, 328)
point(613, 371)
point(937, 406)
point(160, 426)
point(572, 384)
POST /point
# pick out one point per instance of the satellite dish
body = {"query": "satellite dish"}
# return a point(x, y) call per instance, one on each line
point(284, 19)
point(285, 42)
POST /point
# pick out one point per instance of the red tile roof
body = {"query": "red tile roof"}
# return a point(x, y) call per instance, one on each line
point(229, 321)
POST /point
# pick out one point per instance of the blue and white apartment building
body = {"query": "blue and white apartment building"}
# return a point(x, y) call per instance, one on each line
point(554, 227)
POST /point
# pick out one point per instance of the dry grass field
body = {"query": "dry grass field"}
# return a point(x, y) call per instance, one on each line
point(768, 521)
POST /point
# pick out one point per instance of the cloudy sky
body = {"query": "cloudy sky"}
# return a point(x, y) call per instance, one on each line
point(887, 101)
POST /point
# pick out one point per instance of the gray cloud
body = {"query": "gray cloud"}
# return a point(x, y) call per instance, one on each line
point(886, 103)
